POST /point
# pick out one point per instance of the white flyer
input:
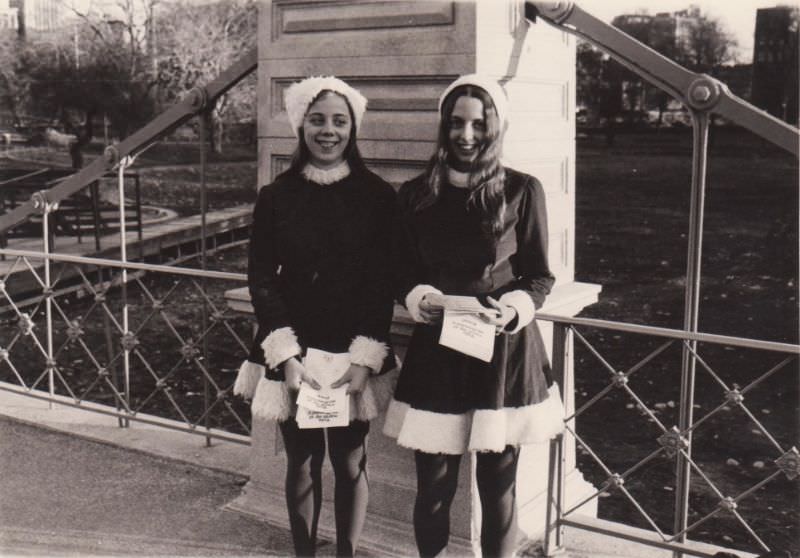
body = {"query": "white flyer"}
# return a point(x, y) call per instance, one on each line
point(468, 334)
point(464, 304)
point(326, 406)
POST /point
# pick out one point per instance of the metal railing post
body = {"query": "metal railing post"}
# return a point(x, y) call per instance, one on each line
point(204, 116)
point(700, 121)
point(556, 485)
point(127, 347)
point(41, 202)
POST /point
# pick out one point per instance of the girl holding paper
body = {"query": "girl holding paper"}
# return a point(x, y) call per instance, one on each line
point(319, 277)
point(469, 226)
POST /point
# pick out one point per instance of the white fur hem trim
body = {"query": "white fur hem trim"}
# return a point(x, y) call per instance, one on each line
point(272, 400)
point(523, 304)
point(280, 345)
point(368, 352)
point(480, 430)
point(531, 424)
point(427, 431)
point(414, 297)
point(247, 379)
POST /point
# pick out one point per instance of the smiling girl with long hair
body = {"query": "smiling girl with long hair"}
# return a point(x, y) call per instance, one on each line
point(471, 226)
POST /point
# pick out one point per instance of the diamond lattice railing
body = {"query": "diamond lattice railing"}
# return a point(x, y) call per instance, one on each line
point(644, 455)
point(177, 358)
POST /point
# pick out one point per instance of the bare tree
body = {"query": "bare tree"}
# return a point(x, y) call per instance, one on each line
point(203, 43)
point(704, 44)
point(13, 87)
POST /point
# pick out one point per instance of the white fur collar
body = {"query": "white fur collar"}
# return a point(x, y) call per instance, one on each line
point(326, 176)
point(457, 178)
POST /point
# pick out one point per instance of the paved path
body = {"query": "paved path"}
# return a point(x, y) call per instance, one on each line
point(61, 495)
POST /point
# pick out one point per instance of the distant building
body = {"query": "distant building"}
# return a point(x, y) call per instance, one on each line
point(664, 32)
point(738, 78)
point(637, 26)
point(9, 16)
point(775, 61)
point(38, 15)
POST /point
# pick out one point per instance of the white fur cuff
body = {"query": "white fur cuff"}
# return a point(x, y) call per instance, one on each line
point(272, 400)
point(523, 304)
point(279, 346)
point(247, 380)
point(368, 352)
point(415, 296)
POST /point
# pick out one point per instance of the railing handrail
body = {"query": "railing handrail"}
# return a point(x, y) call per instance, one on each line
point(176, 270)
point(728, 340)
point(698, 91)
point(196, 101)
point(627, 327)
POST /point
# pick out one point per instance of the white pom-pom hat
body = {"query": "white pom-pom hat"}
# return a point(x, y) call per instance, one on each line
point(494, 89)
point(299, 96)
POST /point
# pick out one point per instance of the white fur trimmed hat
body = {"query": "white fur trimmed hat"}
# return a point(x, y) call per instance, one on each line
point(490, 85)
point(299, 96)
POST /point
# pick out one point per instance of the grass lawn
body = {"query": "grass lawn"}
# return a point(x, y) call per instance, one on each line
point(632, 220)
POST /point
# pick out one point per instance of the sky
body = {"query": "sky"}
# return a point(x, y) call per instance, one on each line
point(737, 16)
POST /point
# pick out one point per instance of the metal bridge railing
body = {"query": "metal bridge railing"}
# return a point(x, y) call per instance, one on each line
point(50, 338)
point(702, 95)
point(127, 336)
point(666, 441)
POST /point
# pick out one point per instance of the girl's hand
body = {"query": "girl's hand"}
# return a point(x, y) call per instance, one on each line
point(356, 376)
point(503, 315)
point(430, 308)
point(296, 374)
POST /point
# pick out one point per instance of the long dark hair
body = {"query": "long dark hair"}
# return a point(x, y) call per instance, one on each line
point(352, 155)
point(486, 174)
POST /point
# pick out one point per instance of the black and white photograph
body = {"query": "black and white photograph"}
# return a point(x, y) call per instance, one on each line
point(397, 278)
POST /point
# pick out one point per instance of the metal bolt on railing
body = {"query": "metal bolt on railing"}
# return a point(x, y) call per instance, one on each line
point(50, 364)
point(672, 441)
point(556, 11)
point(189, 351)
point(161, 384)
point(614, 482)
point(728, 504)
point(2, 285)
point(734, 396)
point(704, 92)
point(3, 355)
point(100, 297)
point(103, 372)
point(25, 324)
point(620, 379)
point(74, 330)
point(129, 341)
point(158, 305)
point(789, 463)
point(42, 203)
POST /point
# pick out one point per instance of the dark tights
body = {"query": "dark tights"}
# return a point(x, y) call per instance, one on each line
point(437, 480)
point(305, 451)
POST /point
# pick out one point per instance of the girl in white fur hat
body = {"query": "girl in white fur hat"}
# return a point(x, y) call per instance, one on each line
point(319, 276)
point(470, 226)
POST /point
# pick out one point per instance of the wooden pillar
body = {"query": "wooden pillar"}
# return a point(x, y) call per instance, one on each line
point(401, 55)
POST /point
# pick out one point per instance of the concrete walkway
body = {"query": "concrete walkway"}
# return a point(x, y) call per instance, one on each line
point(72, 483)
point(62, 495)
